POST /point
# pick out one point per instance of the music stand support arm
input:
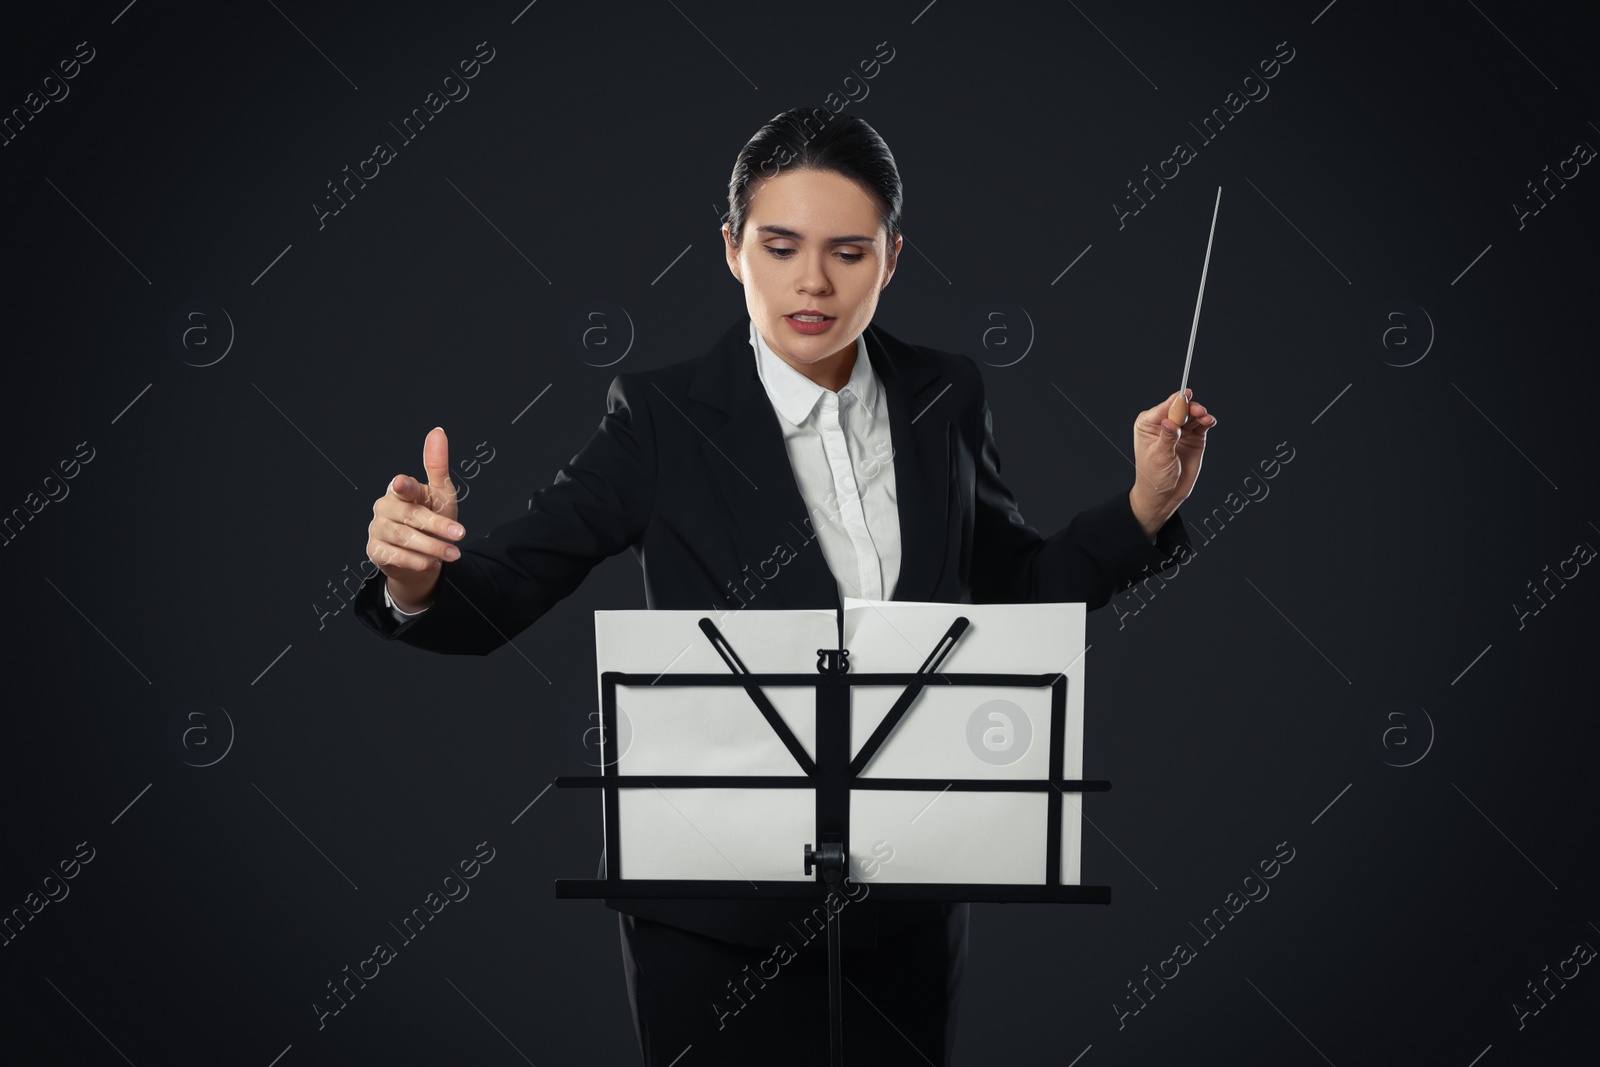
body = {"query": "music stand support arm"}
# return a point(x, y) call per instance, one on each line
point(830, 863)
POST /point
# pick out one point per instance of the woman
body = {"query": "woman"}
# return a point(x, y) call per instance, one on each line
point(810, 441)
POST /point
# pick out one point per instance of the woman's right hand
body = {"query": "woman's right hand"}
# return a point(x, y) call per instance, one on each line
point(413, 527)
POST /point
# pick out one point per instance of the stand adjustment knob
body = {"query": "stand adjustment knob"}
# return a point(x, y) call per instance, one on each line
point(829, 861)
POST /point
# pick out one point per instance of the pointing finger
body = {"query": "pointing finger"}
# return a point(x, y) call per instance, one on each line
point(436, 461)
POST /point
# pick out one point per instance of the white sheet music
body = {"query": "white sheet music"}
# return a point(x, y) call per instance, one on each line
point(949, 731)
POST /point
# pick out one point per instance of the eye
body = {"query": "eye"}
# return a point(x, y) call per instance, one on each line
point(785, 253)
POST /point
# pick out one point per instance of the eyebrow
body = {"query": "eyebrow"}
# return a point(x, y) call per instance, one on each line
point(849, 239)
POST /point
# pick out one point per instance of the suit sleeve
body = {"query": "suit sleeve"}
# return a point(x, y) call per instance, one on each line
point(599, 504)
point(1101, 552)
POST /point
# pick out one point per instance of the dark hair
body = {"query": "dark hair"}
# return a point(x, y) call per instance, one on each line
point(814, 138)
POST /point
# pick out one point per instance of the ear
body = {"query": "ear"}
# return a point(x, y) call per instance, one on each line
point(731, 253)
point(894, 260)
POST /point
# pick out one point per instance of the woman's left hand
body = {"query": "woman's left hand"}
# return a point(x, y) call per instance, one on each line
point(1166, 460)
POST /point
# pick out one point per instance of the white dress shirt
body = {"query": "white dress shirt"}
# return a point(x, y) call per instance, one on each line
point(839, 448)
point(843, 461)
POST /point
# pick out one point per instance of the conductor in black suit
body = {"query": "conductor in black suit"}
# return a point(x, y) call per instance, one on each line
point(808, 455)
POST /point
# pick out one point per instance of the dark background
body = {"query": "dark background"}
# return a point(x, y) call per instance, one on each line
point(1359, 617)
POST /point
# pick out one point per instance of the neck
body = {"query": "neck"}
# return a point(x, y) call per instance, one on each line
point(832, 372)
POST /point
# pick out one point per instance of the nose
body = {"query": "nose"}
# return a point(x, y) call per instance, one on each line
point(813, 275)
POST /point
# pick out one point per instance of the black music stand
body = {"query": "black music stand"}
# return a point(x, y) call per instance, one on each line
point(833, 775)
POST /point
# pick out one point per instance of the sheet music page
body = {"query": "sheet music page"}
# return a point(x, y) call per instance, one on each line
point(965, 731)
point(713, 834)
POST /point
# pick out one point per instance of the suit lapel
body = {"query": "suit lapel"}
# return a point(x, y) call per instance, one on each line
point(750, 466)
point(919, 429)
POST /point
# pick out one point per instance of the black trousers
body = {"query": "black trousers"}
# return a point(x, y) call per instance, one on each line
point(731, 1004)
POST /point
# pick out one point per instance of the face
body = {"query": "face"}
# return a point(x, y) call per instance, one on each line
point(791, 259)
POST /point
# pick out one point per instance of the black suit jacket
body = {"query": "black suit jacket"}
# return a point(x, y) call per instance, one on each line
point(689, 469)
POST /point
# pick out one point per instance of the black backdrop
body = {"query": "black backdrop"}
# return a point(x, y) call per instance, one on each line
point(1350, 667)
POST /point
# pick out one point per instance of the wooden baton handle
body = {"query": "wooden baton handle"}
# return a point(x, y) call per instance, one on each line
point(1179, 411)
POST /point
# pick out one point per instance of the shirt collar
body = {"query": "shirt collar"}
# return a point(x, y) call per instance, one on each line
point(794, 395)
